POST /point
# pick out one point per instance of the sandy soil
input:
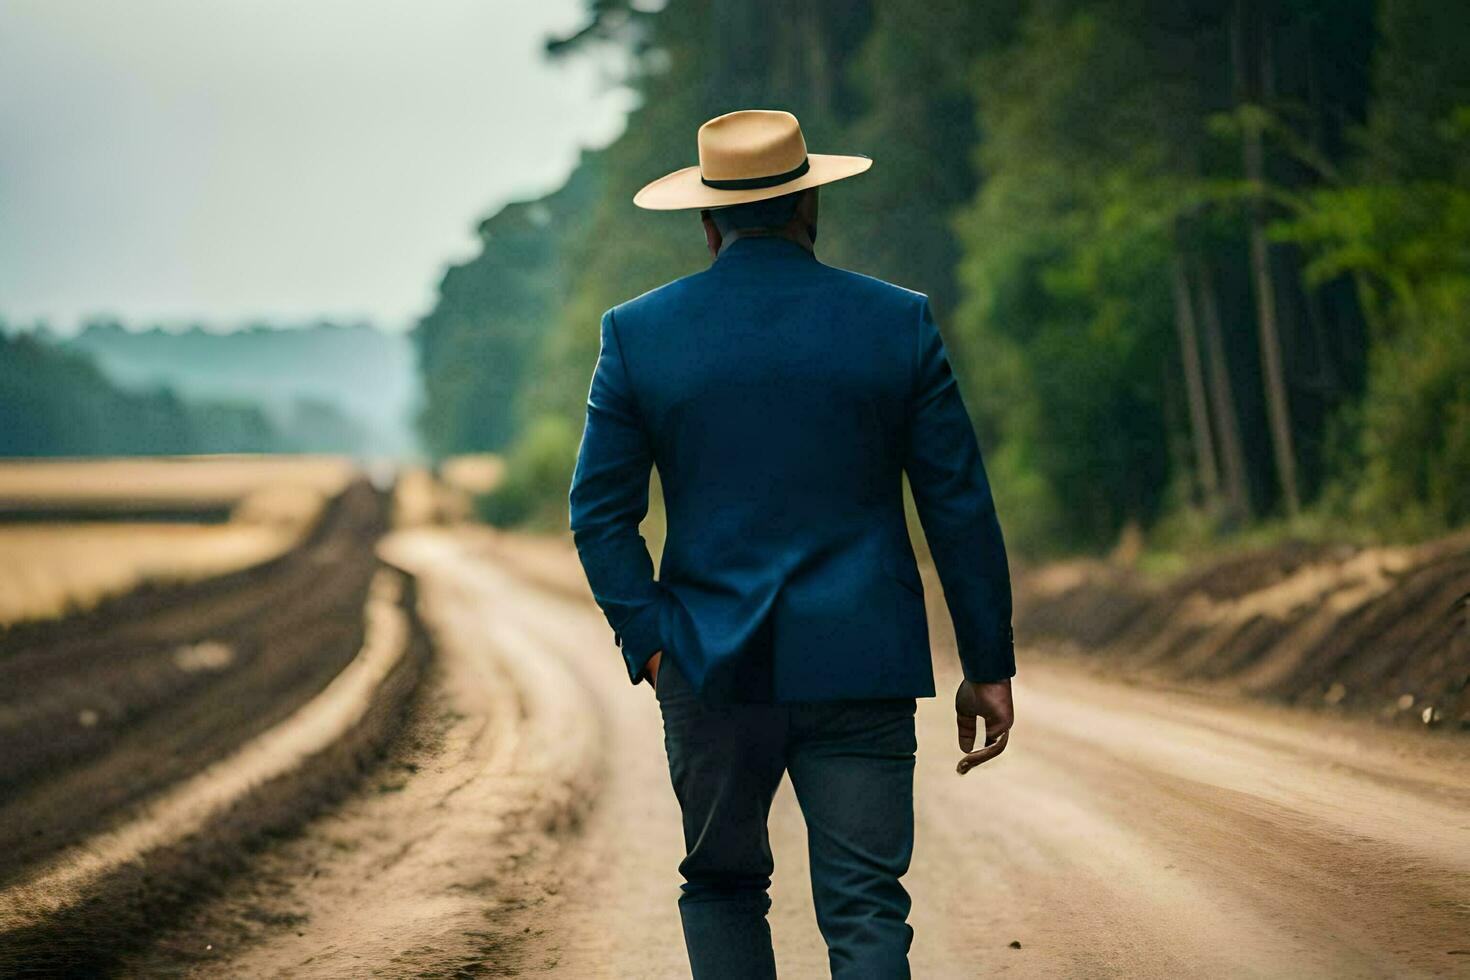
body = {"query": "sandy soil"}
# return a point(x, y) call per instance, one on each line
point(524, 826)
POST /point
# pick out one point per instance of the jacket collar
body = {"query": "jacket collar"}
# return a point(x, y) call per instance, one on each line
point(749, 246)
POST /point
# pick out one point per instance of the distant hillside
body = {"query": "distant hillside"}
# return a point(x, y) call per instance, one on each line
point(55, 402)
point(325, 387)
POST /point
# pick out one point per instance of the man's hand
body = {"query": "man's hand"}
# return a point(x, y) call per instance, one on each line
point(650, 669)
point(992, 702)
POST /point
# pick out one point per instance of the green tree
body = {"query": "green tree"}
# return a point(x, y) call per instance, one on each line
point(1398, 222)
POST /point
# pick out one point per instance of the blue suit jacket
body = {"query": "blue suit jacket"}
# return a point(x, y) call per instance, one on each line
point(781, 400)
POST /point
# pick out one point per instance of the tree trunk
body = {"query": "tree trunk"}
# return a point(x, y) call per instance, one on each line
point(1194, 385)
point(1175, 426)
point(1222, 398)
point(1277, 408)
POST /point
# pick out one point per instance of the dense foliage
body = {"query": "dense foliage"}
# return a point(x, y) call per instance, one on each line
point(1205, 258)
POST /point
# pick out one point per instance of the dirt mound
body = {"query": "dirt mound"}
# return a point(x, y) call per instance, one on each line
point(1378, 630)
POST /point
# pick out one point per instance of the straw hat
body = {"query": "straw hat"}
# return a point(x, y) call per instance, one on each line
point(746, 156)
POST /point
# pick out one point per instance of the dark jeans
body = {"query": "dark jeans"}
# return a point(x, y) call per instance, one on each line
point(852, 766)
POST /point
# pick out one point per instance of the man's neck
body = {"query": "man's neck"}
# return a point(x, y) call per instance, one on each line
point(793, 232)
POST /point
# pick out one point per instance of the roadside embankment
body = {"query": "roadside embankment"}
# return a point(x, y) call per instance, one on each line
point(1382, 631)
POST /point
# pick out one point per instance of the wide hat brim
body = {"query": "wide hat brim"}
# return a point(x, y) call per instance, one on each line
point(684, 189)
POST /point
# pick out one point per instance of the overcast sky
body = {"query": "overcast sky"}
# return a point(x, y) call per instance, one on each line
point(287, 159)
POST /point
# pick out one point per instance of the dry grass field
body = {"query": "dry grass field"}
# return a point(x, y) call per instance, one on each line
point(60, 552)
point(49, 570)
point(473, 473)
point(146, 483)
point(418, 499)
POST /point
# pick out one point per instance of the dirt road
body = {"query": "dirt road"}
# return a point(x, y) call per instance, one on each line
point(525, 825)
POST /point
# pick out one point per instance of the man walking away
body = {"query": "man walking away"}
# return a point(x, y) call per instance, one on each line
point(782, 400)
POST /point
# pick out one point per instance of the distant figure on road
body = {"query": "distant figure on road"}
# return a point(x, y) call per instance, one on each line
point(782, 400)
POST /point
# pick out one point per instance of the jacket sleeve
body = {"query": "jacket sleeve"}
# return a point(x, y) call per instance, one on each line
point(952, 493)
point(608, 500)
